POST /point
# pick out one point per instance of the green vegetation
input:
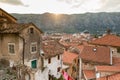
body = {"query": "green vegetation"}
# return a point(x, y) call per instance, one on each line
point(95, 23)
point(7, 73)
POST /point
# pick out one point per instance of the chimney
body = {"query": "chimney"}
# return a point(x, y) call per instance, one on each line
point(108, 31)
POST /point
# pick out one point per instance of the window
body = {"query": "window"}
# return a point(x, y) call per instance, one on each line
point(58, 69)
point(75, 60)
point(31, 30)
point(11, 48)
point(78, 60)
point(118, 50)
point(112, 51)
point(33, 47)
point(34, 64)
point(58, 57)
point(97, 75)
point(49, 60)
point(49, 77)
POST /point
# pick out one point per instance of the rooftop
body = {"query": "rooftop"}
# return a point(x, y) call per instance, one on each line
point(89, 74)
point(108, 40)
point(68, 57)
point(51, 48)
point(15, 27)
point(96, 54)
point(111, 77)
point(116, 61)
point(108, 68)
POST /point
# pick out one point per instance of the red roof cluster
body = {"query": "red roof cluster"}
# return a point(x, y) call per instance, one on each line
point(89, 74)
point(111, 77)
point(116, 61)
point(98, 54)
point(109, 40)
point(51, 48)
point(68, 57)
point(108, 68)
point(16, 27)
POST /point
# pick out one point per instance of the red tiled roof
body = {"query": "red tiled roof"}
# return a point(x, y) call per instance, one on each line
point(13, 28)
point(108, 68)
point(96, 54)
point(109, 40)
point(80, 47)
point(116, 61)
point(111, 77)
point(89, 74)
point(51, 48)
point(102, 78)
point(16, 27)
point(65, 44)
point(68, 57)
point(7, 13)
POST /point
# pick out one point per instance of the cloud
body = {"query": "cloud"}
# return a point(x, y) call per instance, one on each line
point(70, 1)
point(96, 5)
point(74, 3)
point(12, 2)
point(110, 6)
point(78, 3)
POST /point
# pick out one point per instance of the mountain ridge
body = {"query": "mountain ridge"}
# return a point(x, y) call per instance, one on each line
point(95, 23)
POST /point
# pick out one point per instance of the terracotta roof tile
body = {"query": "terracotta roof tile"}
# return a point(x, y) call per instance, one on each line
point(109, 40)
point(7, 13)
point(13, 28)
point(89, 74)
point(116, 61)
point(108, 68)
point(102, 78)
point(80, 47)
point(51, 48)
point(111, 77)
point(96, 54)
point(68, 57)
point(16, 27)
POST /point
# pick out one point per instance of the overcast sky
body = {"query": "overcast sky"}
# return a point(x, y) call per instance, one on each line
point(60, 6)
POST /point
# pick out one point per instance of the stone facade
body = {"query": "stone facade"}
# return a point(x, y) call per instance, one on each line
point(20, 45)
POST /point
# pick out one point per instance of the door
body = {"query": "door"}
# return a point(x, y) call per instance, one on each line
point(34, 64)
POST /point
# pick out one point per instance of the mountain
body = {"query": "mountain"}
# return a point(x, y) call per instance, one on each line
point(95, 23)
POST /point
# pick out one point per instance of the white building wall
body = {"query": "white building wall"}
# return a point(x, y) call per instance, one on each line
point(50, 68)
point(55, 63)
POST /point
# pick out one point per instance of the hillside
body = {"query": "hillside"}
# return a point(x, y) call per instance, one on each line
point(93, 22)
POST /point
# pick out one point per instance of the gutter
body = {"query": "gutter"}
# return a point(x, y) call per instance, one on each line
point(111, 52)
point(23, 49)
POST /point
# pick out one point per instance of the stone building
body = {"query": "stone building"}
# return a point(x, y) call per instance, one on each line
point(51, 54)
point(20, 44)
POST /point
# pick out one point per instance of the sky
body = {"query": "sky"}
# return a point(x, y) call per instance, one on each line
point(59, 6)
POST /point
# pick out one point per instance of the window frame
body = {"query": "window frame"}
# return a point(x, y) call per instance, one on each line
point(9, 51)
point(32, 46)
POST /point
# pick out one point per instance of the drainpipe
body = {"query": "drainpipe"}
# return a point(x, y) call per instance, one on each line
point(111, 53)
point(23, 49)
point(61, 61)
point(80, 68)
